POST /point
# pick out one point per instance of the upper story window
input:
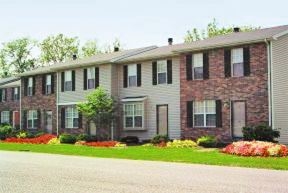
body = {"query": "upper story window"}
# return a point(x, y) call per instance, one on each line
point(162, 72)
point(198, 66)
point(71, 117)
point(133, 115)
point(3, 94)
point(30, 86)
point(5, 117)
point(32, 119)
point(48, 85)
point(237, 62)
point(15, 94)
point(91, 78)
point(68, 81)
point(205, 113)
point(132, 75)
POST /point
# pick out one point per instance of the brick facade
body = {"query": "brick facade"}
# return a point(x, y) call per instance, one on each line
point(39, 102)
point(253, 89)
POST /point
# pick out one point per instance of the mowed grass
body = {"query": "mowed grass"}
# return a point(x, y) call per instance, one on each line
point(185, 155)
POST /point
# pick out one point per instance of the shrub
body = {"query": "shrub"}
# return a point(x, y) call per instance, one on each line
point(5, 131)
point(130, 139)
point(260, 133)
point(22, 134)
point(67, 138)
point(207, 141)
point(39, 133)
point(159, 139)
point(43, 139)
point(83, 137)
point(54, 141)
point(181, 144)
point(256, 148)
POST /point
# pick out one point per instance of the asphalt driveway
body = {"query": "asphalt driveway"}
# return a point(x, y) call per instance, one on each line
point(22, 172)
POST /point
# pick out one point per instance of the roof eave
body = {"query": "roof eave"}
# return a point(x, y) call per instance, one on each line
point(276, 36)
point(155, 57)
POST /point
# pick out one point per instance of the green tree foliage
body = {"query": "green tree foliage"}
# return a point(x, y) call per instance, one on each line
point(212, 30)
point(58, 48)
point(90, 48)
point(16, 57)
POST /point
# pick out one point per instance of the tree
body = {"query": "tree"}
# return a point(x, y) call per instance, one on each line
point(212, 30)
point(16, 56)
point(90, 48)
point(58, 48)
point(98, 108)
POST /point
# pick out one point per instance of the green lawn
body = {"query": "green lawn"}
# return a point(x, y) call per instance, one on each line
point(201, 156)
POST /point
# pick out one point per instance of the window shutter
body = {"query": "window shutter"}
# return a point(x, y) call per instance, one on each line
point(24, 119)
point(34, 85)
point(154, 73)
point(62, 81)
point(246, 57)
point(138, 74)
point(218, 113)
point(11, 117)
point(189, 67)
point(227, 63)
point(39, 119)
point(5, 90)
point(206, 65)
point(12, 94)
point(189, 114)
point(1, 90)
point(19, 91)
point(52, 83)
point(97, 77)
point(62, 117)
point(79, 120)
point(85, 79)
point(125, 76)
point(43, 84)
point(25, 86)
point(73, 80)
point(169, 71)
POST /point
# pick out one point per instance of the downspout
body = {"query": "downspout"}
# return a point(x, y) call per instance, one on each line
point(57, 114)
point(20, 104)
point(270, 104)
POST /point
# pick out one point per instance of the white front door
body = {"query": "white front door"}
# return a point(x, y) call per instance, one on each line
point(92, 128)
point(49, 121)
point(238, 117)
point(162, 119)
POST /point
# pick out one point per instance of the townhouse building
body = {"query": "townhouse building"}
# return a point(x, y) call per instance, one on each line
point(208, 87)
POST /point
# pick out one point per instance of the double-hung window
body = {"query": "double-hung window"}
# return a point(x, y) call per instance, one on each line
point(5, 117)
point(71, 117)
point(16, 94)
point(91, 78)
point(132, 75)
point(32, 119)
point(198, 66)
point(30, 87)
point(205, 113)
point(162, 72)
point(48, 84)
point(133, 115)
point(237, 62)
point(68, 81)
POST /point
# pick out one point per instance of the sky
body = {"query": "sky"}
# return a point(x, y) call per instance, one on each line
point(136, 23)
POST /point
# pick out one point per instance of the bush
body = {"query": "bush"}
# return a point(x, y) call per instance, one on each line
point(256, 148)
point(260, 133)
point(159, 139)
point(54, 141)
point(67, 138)
point(130, 139)
point(181, 144)
point(82, 137)
point(22, 134)
point(39, 133)
point(5, 131)
point(207, 141)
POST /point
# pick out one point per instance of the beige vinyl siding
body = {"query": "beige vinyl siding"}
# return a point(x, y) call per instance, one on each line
point(79, 95)
point(280, 86)
point(156, 95)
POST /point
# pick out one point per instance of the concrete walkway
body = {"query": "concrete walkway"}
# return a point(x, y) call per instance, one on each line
point(22, 172)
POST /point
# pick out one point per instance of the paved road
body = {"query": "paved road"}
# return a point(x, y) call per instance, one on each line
point(22, 172)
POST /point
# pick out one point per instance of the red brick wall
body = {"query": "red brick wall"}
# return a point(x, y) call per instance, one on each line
point(252, 89)
point(40, 102)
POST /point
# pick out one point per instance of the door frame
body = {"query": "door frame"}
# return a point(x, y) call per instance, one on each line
point(45, 120)
point(13, 118)
point(232, 115)
point(157, 118)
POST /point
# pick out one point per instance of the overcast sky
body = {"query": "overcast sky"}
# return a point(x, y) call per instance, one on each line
point(136, 23)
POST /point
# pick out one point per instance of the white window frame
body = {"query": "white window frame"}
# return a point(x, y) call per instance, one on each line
point(5, 117)
point(69, 120)
point(68, 74)
point(3, 94)
point(132, 71)
point(30, 87)
point(133, 104)
point(197, 62)
point(90, 76)
point(234, 56)
point(16, 93)
point(162, 62)
point(31, 116)
point(204, 114)
point(48, 84)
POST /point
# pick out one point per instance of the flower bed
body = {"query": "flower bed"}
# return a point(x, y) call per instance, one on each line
point(256, 148)
point(101, 143)
point(43, 139)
